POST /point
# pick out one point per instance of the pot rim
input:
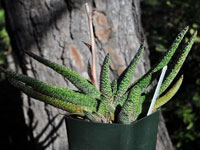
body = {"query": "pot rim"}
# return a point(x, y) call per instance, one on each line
point(109, 124)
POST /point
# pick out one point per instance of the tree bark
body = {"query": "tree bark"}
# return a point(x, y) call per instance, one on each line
point(55, 30)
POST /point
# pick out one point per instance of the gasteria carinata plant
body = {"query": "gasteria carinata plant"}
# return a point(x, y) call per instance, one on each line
point(119, 101)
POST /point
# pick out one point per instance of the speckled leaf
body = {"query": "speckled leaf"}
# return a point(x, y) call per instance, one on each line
point(81, 83)
point(124, 116)
point(177, 64)
point(103, 109)
point(131, 108)
point(165, 98)
point(171, 51)
point(146, 79)
point(54, 91)
point(126, 77)
point(122, 100)
point(114, 87)
point(136, 94)
point(106, 109)
point(64, 105)
point(105, 86)
point(92, 117)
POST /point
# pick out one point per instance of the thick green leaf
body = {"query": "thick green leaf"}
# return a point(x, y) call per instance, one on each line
point(64, 105)
point(105, 86)
point(173, 69)
point(177, 64)
point(114, 87)
point(126, 77)
point(124, 116)
point(106, 109)
point(165, 98)
point(92, 117)
point(54, 91)
point(122, 100)
point(131, 108)
point(172, 50)
point(81, 83)
point(147, 78)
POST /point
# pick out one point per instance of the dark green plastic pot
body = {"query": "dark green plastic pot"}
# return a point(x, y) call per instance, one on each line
point(140, 135)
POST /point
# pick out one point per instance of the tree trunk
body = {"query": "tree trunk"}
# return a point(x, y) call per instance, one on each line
point(55, 30)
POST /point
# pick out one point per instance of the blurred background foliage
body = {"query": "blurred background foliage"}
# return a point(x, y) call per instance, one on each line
point(5, 46)
point(162, 21)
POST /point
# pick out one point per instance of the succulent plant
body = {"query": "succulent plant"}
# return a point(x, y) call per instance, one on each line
point(119, 101)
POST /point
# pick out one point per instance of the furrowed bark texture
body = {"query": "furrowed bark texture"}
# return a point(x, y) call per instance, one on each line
point(55, 30)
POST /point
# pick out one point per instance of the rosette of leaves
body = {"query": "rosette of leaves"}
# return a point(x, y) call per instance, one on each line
point(119, 101)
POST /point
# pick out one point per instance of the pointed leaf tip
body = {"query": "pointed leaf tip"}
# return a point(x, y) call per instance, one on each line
point(177, 64)
point(165, 98)
point(80, 82)
point(147, 78)
point(105, 86)
point(64, 105)
point(126, 77)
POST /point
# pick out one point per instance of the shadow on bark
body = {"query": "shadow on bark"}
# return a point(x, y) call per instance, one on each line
point(15, 134)
point(39, 23)
point(13, 128)
point(36, 143)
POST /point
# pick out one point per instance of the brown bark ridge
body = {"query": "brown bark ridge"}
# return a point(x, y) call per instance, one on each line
point(54, 30)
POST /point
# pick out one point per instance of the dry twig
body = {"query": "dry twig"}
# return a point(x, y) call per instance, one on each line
point(94, 76)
